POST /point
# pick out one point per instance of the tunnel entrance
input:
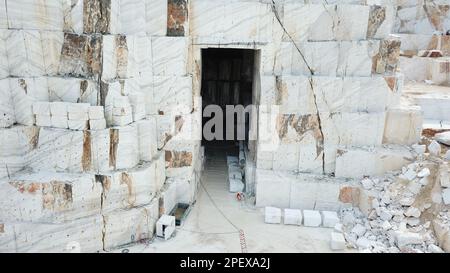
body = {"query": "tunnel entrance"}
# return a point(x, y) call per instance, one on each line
point(227, 80)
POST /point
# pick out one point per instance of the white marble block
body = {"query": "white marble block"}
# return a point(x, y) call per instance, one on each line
point(128, 17)
point(128, 189)
point(79, 236)
point(171, 95)
point(126, 153)
point(147, 135)
point(440, 71)
point(272, 188)
point(45, 15)
point(358, 162)
point(236, 185)
point(96, 112)
point(59, 122)
point(21, 141)
point(47, 197)
point(403, 125)
point(78, 125)
point(129, 226)
point(25, 92)
point(351, 94)
point(165, 226)
point(312, 218)
point(272, 215)
point(120, 59)
point(170, 56)
point(43, 120)
point(97, 124)
point(100, 147)
point(293, 217)
point(41, 108)
point(59, 150)
point(58, 109)
point(25, 53)
point(337, 241)
point(156, 17)
point(7, 116)
point(73, 90)
point(4, 66)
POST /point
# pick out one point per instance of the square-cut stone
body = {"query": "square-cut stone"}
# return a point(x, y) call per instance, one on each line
point(272, 215)
point(312, 218)
point(293, 217)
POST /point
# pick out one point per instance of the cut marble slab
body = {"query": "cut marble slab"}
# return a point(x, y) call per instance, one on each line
point(358, 162)
point(171, 95)
point(59, 150)
point(147, 138)
point(79, 236)
point(128, 189)
point(156, 17)
point(130, 226)
point(45, 15)
point(21, 141)
point(46, 197)
point(25, 53)
point(404, 125)
point(125, 147)
point(25, 92)
point(7, 115)
point(170, 56)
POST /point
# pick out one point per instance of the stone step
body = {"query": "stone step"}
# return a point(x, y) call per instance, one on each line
point(434, 100)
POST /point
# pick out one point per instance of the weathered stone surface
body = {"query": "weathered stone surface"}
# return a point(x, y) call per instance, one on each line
point(130, 226)
point(403, 125)
point(81, 55)
point(385, 62)
point(50, 197)
point(177, 23)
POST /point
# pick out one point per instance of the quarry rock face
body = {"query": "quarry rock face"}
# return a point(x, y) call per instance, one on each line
point(100, 109)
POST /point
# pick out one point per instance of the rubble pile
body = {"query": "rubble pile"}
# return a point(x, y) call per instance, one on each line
point(404, 211)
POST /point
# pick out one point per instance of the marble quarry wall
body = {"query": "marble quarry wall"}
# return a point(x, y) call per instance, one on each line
point(100, 108)
point(424, 30)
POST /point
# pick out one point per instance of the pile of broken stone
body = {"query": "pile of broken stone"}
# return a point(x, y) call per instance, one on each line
point(406, 211)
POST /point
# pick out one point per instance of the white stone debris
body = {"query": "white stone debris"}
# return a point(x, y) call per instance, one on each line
point(443, 138)
point(419, 149)
point(446, 196)
point(394, 220)
point(434, 148)
point(424, 173)
point(447, 155)
point(338, 228)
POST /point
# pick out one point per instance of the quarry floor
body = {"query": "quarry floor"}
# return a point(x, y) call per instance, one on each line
point(207, 230)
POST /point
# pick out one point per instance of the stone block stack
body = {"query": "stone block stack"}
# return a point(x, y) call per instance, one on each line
point(88, 90)
point(100, 108)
